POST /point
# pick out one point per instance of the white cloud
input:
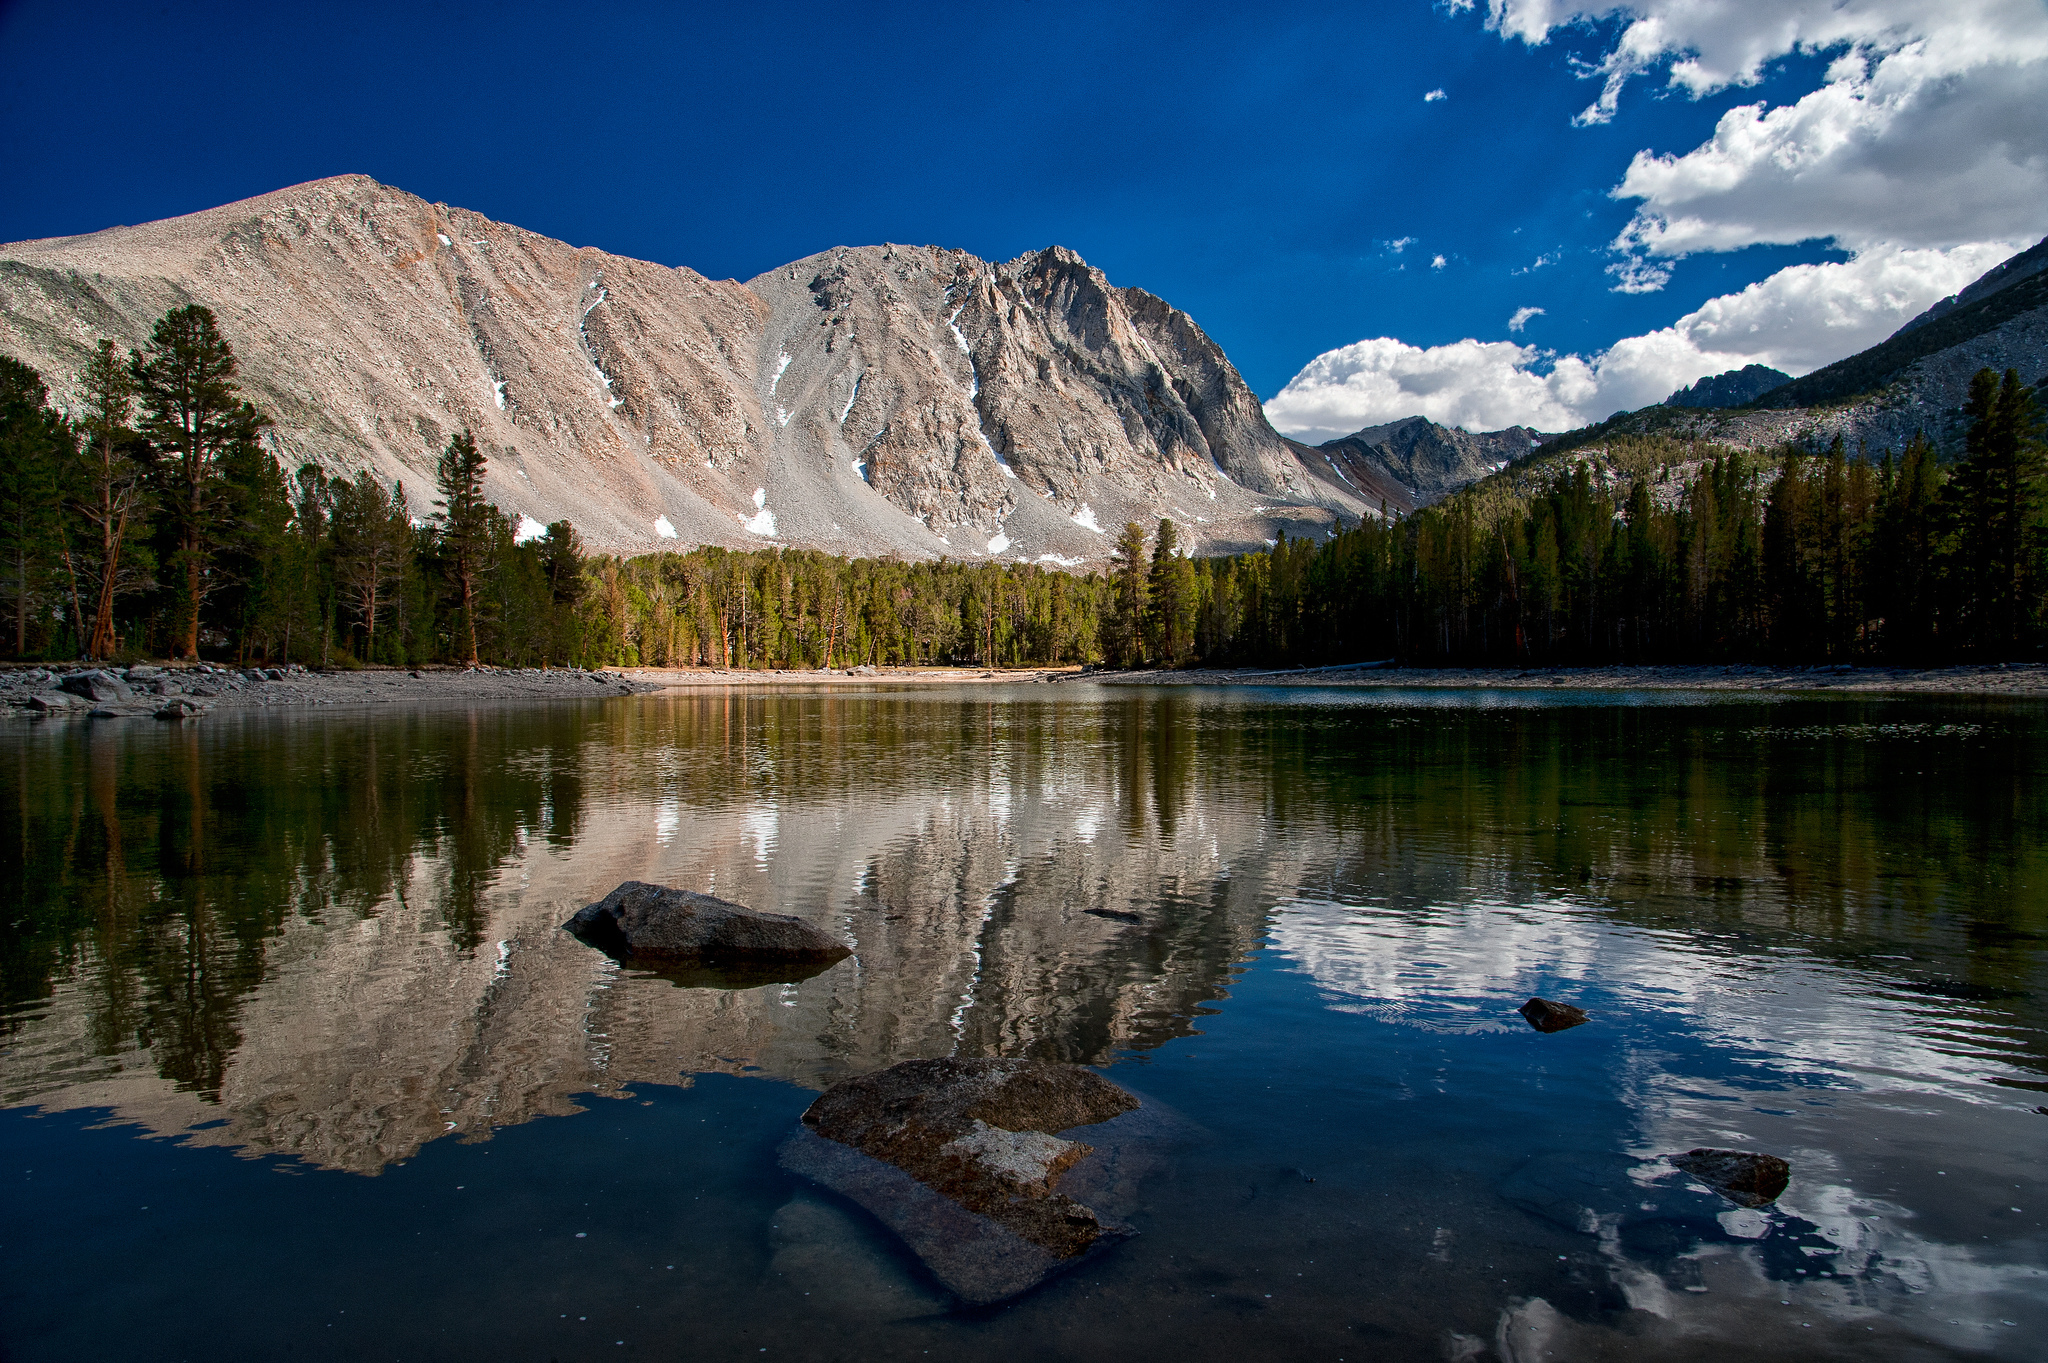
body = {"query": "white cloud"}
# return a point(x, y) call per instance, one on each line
point(1633, 274)
point(1399, 244)
point(1797, 320)
point(1433, 96)
point(1522, 316)
point(1929, 128)
point(1436, 263)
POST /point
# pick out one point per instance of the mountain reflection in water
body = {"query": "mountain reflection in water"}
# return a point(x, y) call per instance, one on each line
point(337, 937)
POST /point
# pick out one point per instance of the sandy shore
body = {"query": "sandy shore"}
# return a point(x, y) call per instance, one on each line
point(2014, 679)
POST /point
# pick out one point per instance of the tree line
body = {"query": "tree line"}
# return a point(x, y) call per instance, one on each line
point(1795, 559)
point(153, 520)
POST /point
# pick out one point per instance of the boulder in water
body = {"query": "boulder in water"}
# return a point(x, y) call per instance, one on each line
point(966, 1161)
point(1741, 1176)
point(1546, 1015)
point(658, 927)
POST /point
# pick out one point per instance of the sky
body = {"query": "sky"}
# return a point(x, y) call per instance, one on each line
point(1488, 212)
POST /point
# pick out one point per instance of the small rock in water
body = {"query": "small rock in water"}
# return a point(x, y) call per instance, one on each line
point(181, 709)
point(1546, 1016)
point(655, 926)
point(963, 1160)
point(1743, 1177)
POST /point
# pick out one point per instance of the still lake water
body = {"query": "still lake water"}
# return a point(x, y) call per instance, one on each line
point(297, 1063)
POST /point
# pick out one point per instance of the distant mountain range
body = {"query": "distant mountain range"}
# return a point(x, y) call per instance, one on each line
point(869, 400)
point(1915, 380)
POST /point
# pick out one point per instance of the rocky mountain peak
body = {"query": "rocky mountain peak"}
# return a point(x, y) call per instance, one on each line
point(866, 400)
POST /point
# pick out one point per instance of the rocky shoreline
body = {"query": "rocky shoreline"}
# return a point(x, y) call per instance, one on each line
point(186, 691)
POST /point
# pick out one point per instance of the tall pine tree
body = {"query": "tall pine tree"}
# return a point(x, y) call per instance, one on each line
point(192, 417)
point(465, 526)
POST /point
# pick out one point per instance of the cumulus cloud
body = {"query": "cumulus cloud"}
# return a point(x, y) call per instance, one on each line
point(1399, 244)
point(1434, 95)
point(1929, 128)
point(1436, 263)
point(1522, 316)
point(1796, 320)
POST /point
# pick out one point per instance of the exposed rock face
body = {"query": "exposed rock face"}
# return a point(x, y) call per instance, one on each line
point(1427, 460)
point(960, 1158)
point(880, 399)
point(1547, 1016)
point(657, 926)
point(1752, 1180)
point(1732, 389)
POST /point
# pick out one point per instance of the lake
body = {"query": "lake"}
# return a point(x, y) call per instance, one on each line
point(297, 1060)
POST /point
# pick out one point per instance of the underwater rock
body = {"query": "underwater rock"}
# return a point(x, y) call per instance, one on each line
point(1741, 1176)
point(654, 926)
point(970, 1162)
point(1547, 1016)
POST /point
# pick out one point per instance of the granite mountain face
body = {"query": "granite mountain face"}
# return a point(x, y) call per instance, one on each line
point(868, 400)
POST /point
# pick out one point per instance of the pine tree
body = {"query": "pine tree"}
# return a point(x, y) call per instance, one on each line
point(34, 445)
point(109, 498)
point(1127, 617)
point(1169, 587)
point(192, 417)
point(464, 520)
point(561, 557)
point(1997, 492)
point(372, 538)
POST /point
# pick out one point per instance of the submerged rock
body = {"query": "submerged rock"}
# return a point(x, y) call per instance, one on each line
point(659, 927)
point(1743, 1177)
point(970, 1162)
point(1548, 1016)
point(182, 708)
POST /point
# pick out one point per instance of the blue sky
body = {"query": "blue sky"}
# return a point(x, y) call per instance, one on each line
point(1255, 165)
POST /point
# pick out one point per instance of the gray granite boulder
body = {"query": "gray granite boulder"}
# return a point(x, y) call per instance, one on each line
point(97, 685)
point(659, 927)
point(976, 1165)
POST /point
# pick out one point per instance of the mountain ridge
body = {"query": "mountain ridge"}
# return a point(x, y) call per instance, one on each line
point(885, 399)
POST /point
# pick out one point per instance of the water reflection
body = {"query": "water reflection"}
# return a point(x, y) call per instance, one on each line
point(337, 936)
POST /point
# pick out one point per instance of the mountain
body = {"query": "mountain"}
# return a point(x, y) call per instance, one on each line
point(1736, 388)
point(1916, 380)
point(2025, 265)
point(870, 400)
point(1426, 460)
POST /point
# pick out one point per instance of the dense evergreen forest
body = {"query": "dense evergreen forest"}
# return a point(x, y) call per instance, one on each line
point(152, 521)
